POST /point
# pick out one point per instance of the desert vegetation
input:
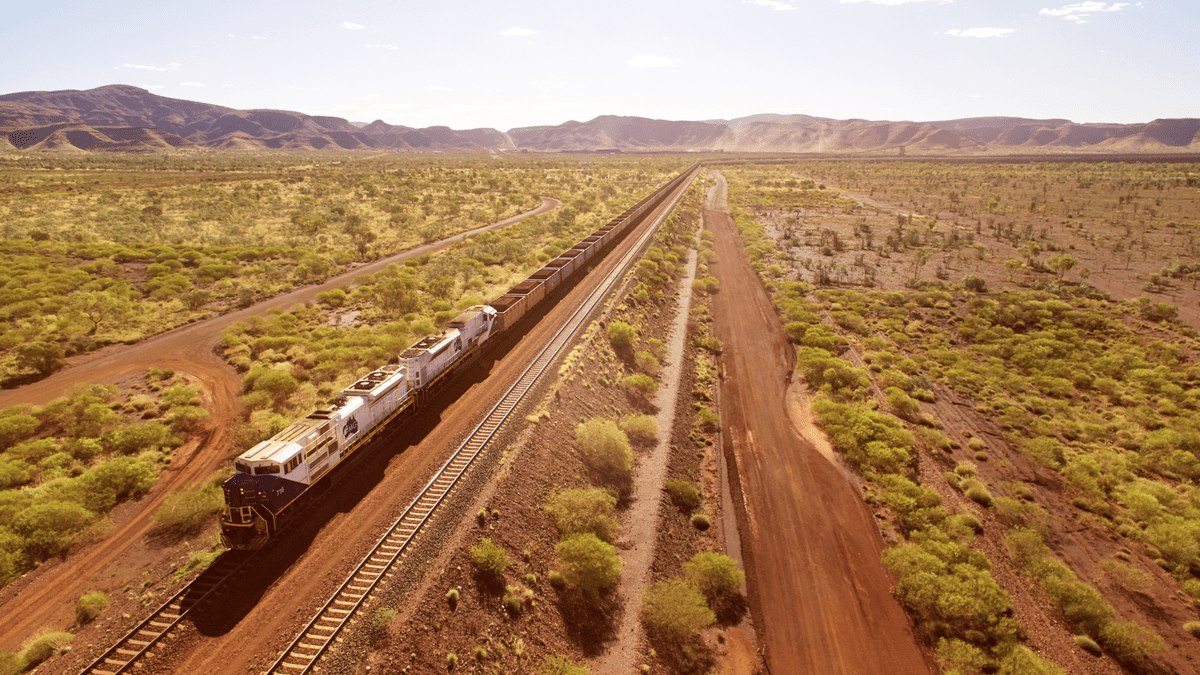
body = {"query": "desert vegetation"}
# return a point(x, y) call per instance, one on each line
point(995, 413)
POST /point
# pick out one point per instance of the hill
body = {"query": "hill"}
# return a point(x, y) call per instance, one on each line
point(123, 118)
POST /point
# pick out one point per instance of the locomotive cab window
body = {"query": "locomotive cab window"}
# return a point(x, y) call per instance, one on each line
point(242, 467)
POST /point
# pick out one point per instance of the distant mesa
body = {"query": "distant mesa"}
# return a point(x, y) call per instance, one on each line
point(123, 118)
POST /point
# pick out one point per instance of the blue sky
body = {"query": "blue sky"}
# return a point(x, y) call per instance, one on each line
point(470, 64)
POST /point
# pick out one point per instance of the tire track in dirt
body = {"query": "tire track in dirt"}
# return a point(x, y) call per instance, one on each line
point(817, 587)
point(46, 596)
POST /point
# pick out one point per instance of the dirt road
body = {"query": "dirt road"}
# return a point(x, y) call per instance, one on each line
point(817, 587)
point(47, 596)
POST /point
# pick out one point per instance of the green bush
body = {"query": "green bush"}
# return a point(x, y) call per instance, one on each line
point(700, 522)
point(683, 494)
point(642, 428)
point(640, 383)
point(584, 510)
point(489, 558)
point(136, 438)
point(49, 528)
point(43, 646)
point(714, 574)
point(676, 609)
point(185, 513)
point(588, 563)
point(621, 335)
point(707, 419)
point(1192, 628)
point(90, 606)
point(1087, 644)
point(605, 447)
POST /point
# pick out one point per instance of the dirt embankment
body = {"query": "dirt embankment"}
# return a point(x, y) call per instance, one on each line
point(819, 592)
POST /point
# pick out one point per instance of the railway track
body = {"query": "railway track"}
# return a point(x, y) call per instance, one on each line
point(321, 633)
point(138, 643)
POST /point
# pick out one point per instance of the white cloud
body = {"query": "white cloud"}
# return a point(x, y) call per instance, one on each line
point(651, 61)
point(387, 47)
point(509, 32)
point(435, 87)
point(1080, 11)
point(979, 32)
point(773, 4)
point(138, 66)
point(192, 84)
point(891, 2)
point(368, 97)
point(353, 26)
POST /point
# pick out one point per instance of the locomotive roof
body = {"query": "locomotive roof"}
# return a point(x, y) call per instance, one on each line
point(377, 382)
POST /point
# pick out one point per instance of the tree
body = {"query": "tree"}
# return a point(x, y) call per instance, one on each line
point(604, 446)
point(43, 357)
point(1061, 264)
point(360, 233)
point(96, 308)
point(397, 295)
point(676, 609)
point(584, 510)
point(588, 563)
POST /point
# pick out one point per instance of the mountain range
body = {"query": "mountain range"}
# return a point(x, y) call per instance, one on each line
point(123, 118)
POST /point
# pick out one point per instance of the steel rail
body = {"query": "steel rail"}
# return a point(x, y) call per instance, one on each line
point(315, 639)
point(137, 643)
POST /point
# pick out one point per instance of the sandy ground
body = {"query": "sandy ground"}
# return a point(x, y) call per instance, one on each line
point(819, 594)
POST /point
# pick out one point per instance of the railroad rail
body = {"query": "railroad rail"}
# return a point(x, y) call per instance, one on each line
point(314, 641)
point(138, 643)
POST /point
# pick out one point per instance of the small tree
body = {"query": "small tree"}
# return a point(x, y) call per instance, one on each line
point(621, 335)
point(588, 563)
point(604, 446)
point(489, 558)
point(714, 574)
point(974, 283)
point(1061, 264)
point(676, 609)
point(641, 383)
point(42, 357)
point(640, 427)
point(584, 510)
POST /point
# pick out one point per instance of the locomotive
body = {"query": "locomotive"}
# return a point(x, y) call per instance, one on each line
point(271, 478)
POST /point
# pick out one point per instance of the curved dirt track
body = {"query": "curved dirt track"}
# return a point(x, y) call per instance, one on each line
point(47, 598)
point(820, 595)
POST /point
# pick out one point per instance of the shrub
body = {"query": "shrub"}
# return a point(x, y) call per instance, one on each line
point(50, 527)
point(43, 646)
point(90, 606)
point(641, 383)
point(707, 419)
point(561, 665)
point(640, 427)
point(604, 446)
point(621, 335)
point(135, 438)
point(184, 513)
point(1087, 644)
point(714, 574)
point(1192, 627)
point(515, 597)
point(700, 522)
point(452, 597)
point(556, 579)
point(588, 563)
point(451, 660)
point(647, 363)
point(489, 558)
point(1022, 661)
point(974, 283)
point(978, 493)
point(676, 609)
point(584, 510)
point(683, 494)
point(905, 406)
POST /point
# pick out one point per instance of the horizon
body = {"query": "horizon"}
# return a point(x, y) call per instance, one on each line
point(540, 64)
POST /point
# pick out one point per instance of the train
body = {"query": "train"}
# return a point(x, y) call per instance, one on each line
point(271, 480)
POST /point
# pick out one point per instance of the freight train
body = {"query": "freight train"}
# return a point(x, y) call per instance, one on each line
point(272, 479)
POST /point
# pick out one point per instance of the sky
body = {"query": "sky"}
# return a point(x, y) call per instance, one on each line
point(469, 64)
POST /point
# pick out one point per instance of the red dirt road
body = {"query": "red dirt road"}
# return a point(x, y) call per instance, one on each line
point(818, 590)
point(46, 596)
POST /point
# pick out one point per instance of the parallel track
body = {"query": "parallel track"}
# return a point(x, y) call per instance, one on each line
point(321, 633)
point(138, 643)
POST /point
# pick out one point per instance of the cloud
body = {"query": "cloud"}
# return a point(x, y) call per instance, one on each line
point(773, 4)
point(192, 84)
point(353, 26)
point(435, 87)
point(1079, 11)
point(651, 61)
point(137, 66)
point(979, 32)
point(891, 2)
point(257, 37)
point(368, 97)
point(509, 32)
point(387, 47)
